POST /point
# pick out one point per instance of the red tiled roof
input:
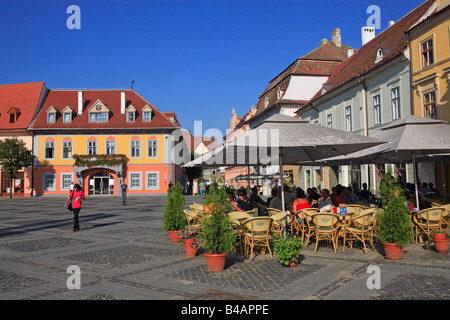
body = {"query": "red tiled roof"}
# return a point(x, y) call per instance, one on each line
point(22, 98)
point(59, 99)
point(392, 41)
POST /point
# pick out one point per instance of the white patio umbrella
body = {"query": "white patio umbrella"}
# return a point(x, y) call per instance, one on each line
point(281, 140)
point(410, 139)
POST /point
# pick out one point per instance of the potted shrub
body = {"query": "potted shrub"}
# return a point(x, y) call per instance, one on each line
point(287, 249)
point(440, 239)
point(217, 231)
point(394, 224)
point(174, 218)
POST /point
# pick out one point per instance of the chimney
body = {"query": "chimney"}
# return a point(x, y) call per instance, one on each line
point(323, 42)
point(336, 37)
point(367, 34)
point(391, 23)
point(350, 52)
point(122, 102)
point(80, 102)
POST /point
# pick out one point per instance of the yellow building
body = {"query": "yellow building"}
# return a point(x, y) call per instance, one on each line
point(429, 43)
point(99, 138)
point(430, 64)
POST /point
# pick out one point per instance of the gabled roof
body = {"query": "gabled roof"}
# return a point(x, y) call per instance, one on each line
point(60, 99)
point(20, 98)
point(364, 61)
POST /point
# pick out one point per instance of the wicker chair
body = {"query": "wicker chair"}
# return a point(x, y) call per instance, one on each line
point(355, 208)
point(278, 222)
point(326, 226)
point(196, 207)
point(358, 228)
point(428, 220)
point(257, 233)
point(307, 227)
point(193, 219)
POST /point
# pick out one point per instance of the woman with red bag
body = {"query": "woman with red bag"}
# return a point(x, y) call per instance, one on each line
point(77, 196)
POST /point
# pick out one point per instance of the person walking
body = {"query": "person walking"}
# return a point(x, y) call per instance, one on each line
point(123, 189)
point(77, 196)
point(202, 189)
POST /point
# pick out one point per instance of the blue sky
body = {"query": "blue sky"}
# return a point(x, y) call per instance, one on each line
point(199, 58)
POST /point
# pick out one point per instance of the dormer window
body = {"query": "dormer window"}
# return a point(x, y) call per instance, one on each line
point(147, 114)
point(67, 114)
point(14, 114)
point(131, 114)
point(379, 55)
point(51, 115)
point(98, 113)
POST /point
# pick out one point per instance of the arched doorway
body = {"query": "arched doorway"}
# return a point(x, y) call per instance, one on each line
point(101, 183)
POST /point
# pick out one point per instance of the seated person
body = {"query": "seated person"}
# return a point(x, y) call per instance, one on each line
point(313, 194)
point(350, 197)
point(433, 192)
point(276, 202)
point(243, 203)
point(301, 202)
point(257, 202)
point(274, 194)
point(365, 194)
point(340, 196)
point(325, 201)
point(424, 188)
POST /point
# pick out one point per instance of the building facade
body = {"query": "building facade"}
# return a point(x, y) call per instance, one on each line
point(367, 91)
point(430, 74)
point(19, 105)
point(99, 138)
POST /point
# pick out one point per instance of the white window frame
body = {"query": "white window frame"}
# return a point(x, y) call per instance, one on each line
point(148, 148)
point(66, 174)
point(89, 147)
point(348, 118)
point(45, 150)
point(377, 109)
point(395, 102)
point(149, 113)
point(330, 120)
point(135, 148)
point(44, 181)
point(51, 114)
point(147, 186)
point(107, 148)
point(71, 150)
point(130, 180)
point(67, 114)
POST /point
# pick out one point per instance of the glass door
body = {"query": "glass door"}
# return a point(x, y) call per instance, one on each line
point(101, 185)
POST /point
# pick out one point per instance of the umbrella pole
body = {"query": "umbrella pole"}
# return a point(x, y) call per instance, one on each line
point(282, 193)
point(443, 179)
point(248, 180)
point(415, 180)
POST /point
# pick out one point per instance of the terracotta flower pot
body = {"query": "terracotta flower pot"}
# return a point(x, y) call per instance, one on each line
point(190, 252)
point(293, 264)
point(188, 242)
point(174, 236)
point(393, 251)
point(215, 262)
point(441, 242)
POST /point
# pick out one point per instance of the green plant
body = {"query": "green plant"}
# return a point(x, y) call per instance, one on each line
point(394, 224)
point(92, 160)
point(217, 231)
point(174, 218)
point(287, 248)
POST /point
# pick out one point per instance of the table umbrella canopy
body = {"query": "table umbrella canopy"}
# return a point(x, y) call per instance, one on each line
point(410, 139)
point(425, 137)
point(296, 140)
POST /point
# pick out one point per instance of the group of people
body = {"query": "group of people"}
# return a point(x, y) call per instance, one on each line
point(298, 200)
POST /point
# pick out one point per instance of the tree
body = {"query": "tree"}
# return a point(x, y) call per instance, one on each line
point(14, 156)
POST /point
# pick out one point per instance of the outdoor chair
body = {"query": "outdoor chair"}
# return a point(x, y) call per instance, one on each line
point(446, 215)
point(428, 220)
point(278, 222)
point(237, 218)
point(355, 208)
point(273, 211)
point(193, 219)
point(326, 226)
point(375, 213)
point(257, 232)
point(357, 228)
point(307, 226)
point(196, 207)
